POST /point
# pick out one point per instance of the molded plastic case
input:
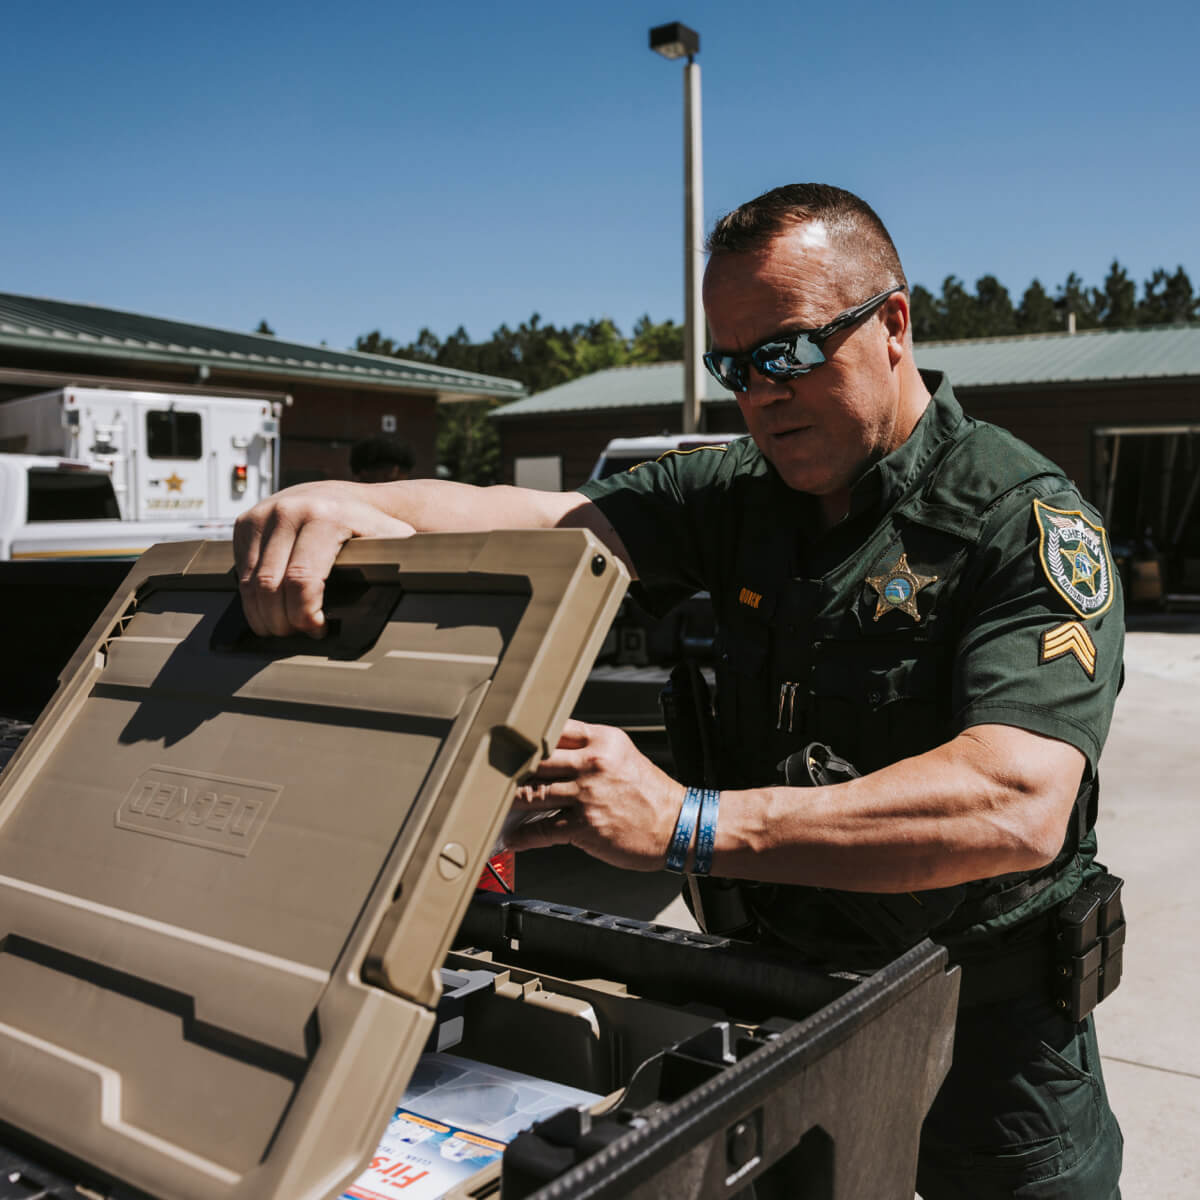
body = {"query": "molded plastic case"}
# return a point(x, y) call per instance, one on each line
point(232, 868)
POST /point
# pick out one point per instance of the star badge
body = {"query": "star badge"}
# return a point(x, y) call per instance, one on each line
point(174, 482)
point(897, 588)
point(1083, 568)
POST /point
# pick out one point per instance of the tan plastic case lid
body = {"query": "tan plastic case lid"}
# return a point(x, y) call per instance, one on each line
point(230, 867)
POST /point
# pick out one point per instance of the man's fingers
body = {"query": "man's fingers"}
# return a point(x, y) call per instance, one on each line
point(263, 561)
point(313, 553)
point(559, 764)
point(248, 534)
point(537, 835)
point(286, 545)
point(575, 735)
point(263, 582)
point(542, 796)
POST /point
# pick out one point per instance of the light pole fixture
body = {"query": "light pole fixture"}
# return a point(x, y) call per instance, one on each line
point(676, 40)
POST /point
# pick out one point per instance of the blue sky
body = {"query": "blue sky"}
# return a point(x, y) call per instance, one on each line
point(337, 168)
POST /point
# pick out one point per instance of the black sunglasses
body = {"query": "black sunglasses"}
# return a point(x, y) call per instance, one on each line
point(787, 357)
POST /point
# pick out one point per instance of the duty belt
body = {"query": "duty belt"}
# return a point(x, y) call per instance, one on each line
point(1076, 952)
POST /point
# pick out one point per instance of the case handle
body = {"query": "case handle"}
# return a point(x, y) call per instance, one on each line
point(355, 613)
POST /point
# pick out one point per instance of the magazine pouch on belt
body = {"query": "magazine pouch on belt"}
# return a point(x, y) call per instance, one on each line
point(231, 867)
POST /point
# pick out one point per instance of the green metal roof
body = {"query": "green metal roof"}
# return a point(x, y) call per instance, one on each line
point(27, 322)
point(617, 387)
point(1095, 356)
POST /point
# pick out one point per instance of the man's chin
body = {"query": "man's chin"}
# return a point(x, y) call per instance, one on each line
point(803, 476)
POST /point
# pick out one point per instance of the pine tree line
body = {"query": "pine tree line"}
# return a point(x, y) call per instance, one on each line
point(1166, 299)
point(540, 356)
point(543, 356)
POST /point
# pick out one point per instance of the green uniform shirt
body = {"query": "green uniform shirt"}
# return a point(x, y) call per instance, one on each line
point(969, 584)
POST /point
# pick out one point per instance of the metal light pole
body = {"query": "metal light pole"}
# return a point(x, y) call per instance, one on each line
point(677, 41)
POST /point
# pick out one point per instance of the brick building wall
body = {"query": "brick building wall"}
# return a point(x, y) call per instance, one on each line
point(323, 423)
point(579, 437)
point(1057, 420)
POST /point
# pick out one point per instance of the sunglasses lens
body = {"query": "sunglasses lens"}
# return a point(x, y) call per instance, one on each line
point(775, 360)
point(727, 371)
point(786, 360)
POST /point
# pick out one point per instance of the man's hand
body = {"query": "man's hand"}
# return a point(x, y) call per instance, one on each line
point(286, 545)
point(604, 796)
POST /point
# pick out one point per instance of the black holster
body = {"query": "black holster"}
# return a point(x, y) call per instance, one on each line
point(691, 727)
point(686, 702)
point(1086, 954)
point(816, 766)
point(891, 922)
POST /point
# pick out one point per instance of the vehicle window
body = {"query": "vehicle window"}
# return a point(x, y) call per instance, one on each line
point(71, 496)
point(171, 434)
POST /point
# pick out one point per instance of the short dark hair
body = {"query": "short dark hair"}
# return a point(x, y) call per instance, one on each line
point(855, 230)
point(380, 451)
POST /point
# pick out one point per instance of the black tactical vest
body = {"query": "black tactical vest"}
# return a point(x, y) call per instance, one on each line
point(802, 660)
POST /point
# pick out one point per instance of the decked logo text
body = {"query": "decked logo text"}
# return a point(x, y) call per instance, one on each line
point(211, 811)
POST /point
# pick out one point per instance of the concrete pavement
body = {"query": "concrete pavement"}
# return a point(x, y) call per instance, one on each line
point(1149, 835)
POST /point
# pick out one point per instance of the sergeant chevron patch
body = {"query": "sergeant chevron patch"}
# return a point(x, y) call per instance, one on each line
point(1070, 638)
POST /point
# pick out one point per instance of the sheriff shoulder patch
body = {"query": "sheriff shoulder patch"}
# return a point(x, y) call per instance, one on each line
point(1070, 638)
point(1075, 556)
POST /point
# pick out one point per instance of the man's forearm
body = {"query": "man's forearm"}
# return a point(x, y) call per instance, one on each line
point(993, 800)
point(441, 505)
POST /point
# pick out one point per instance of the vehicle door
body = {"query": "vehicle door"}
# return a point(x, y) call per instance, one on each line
point(174, 476)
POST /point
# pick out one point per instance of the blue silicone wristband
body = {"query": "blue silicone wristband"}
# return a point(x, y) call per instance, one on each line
point(706, 839)
point(685, 827)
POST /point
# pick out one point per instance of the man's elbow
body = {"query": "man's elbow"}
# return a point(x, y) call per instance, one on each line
point(578, 512)
point(1027, 785)
point(1038, 837)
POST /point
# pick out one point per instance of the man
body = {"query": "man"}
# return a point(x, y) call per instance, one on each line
point(924, 594)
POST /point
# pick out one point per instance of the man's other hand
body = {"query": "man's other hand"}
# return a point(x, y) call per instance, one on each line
point(602, 794)
point(286, 545)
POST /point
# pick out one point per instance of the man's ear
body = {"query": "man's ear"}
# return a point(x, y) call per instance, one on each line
point(897, 318)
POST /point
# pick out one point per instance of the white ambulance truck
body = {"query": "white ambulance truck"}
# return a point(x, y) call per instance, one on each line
point(171, 456)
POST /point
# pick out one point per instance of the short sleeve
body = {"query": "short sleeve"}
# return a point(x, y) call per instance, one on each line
point(668, 514)
point(1044, 631)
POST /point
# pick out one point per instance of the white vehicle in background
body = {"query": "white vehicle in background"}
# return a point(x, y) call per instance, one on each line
point(622, 453)
point(172, 456)
point(54, 508)
point(639, 651)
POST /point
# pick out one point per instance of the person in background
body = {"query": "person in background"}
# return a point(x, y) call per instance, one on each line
point(380, 459)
